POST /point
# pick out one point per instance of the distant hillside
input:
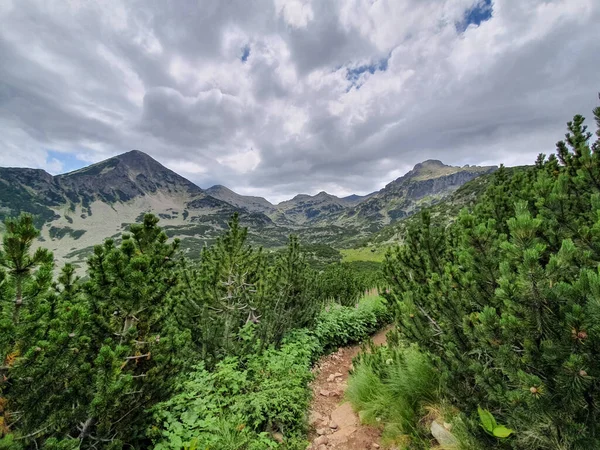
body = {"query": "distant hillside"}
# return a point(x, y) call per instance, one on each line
point(444, 211)
point(353, 200)
point(307, 209)
point(79, 209)
point(303, 209)
point(250, 203)
point(426, 184)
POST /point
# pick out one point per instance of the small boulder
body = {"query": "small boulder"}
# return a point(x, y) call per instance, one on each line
point(336, 393)
point(321, 440)
point(324, 393)
point(443, 436)
point(315, 418)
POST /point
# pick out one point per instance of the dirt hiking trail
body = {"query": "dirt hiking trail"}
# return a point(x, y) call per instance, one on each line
point(333, 423)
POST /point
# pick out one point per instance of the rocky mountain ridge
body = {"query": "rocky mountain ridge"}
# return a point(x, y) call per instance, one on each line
point(79, 209)
point(426, 184)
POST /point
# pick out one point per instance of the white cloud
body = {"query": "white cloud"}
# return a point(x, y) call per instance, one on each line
point(297, 13)
point(243, 161)
point(97, 79)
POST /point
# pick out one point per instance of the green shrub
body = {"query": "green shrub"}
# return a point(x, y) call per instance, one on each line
point(505, 300)
point(245, 399)
point(242, 401)
point(149, 351)
point(232, 285)
point(342, 325)
point(341, 284)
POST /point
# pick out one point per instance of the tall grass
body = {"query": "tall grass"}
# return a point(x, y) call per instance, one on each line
point(392, 386)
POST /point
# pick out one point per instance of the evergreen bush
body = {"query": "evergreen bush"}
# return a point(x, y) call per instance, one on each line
point(505, 300)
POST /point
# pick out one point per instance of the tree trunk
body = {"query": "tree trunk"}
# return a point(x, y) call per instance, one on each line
point(18, 300)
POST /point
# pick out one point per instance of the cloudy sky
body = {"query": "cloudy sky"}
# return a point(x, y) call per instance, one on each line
point(276, 97)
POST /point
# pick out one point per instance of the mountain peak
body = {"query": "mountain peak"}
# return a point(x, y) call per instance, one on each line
point(218, 188)
point(429, 163)
point(299, 197)
point(247, 202)
point(433, 168)
point(133, 152)
point(136, 156)
point(132, 159)
point(124, 177)
point(138, 160)
point(324, 194)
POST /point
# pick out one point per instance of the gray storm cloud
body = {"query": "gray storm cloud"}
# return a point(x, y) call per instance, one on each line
point(275, 97)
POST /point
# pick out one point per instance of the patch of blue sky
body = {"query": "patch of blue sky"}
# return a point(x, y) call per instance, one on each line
point(480, 12)
point(68, 161)
point(354, 75)
point(245, 53)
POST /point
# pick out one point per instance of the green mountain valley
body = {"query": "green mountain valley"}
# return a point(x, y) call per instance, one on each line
point(141, 311)
point(299, 225)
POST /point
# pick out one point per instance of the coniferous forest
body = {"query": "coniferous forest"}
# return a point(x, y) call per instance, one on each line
point(496, 313)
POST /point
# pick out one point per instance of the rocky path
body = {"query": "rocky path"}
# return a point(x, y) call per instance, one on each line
point(333, 423)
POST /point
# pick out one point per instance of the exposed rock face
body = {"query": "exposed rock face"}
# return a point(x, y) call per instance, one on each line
point(29, 190)
point(122, 178)
point(427, 183)
point(433, 186)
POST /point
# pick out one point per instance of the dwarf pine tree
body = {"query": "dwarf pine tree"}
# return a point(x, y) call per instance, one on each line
point(54, 372)
point(135, 342)
point(339, 283)
point(506, 299)
point(292, 299)
point(538, 341)
point(29, 273)
point(25, 280)
point(232, 301)
point(111, 350)
point(222, 293)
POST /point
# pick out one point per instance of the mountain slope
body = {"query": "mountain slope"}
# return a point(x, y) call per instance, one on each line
point(123, 178)
point(426, 184)
point(353, 200)
point(29, 190)
point(307, 209)
point(79, 209)
point(249, 203)
point(444, 211)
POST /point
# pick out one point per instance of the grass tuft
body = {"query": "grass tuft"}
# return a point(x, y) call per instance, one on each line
point(392, 386)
